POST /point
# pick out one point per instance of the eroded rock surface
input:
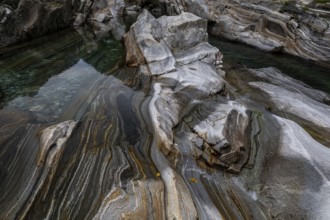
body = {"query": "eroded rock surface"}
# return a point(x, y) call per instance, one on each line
point(300, 28)
point(29, 19)
point(291, 27)
point(211, 124)
point(170, 136)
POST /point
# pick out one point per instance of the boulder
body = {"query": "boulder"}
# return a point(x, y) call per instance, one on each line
point(157, 42)
point(183, 74)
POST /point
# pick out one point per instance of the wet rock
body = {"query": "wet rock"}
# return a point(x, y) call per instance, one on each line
point(43, 159)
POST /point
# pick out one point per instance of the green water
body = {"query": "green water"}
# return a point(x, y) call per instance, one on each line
point(309, 72)
point(24, 69)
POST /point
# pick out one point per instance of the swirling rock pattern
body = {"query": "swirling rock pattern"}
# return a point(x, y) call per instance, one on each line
point(300, 28)
point(92, 166)
point(239, 127)
point(289, 28)
point(172, 136)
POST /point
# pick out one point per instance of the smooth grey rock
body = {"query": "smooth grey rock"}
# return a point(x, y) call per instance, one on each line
point(145, 49)
point(203, 52)
point(294, 27)
point(306, 111)
point(183, 78)
point(291, 166)
point(276, 77)
point(237, 132)
point(185, 26)
point(154, 41)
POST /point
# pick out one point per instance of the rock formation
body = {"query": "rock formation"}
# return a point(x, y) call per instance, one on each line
point(171, 135)
point(204, 124)
point(28, 19)
point(300, 28)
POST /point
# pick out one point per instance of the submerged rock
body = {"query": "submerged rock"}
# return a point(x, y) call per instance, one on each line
point(187, 141)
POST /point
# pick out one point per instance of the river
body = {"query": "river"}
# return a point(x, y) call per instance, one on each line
point(106, 168)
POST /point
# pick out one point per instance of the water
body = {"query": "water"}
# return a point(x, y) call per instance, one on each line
point(70, 77)
point(105, 167)
point(24, 70)
point(309, 72)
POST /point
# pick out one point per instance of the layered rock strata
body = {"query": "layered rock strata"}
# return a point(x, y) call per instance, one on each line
point(27, 19)
point(211, 123)
point(290, 27)
point(300, 28)
point(172, 137)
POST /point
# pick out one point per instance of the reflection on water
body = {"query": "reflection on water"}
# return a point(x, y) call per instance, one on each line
point(56, 94)
point(24, 70)
point(312, 74)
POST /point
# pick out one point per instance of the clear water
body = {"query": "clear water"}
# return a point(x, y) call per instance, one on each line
point(309, 72)
point(24, 70)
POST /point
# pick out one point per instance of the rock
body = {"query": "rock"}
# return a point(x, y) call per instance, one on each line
point(272, 27)
point(237, 132)
point(291, 166)
point(53, 139)
point(185, 26)
point(297, 106)
point(198, 7)
point(43, 159)
point(82, 8)
point(134, 56)
point(189, 141)
point(276, 77)
point(158, 49)
point(203, 52)
point(183, 75)
point(33, 18)
point(5, 11)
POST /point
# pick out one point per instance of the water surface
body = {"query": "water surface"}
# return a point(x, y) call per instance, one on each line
point(309, 72)
point(25, 69)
